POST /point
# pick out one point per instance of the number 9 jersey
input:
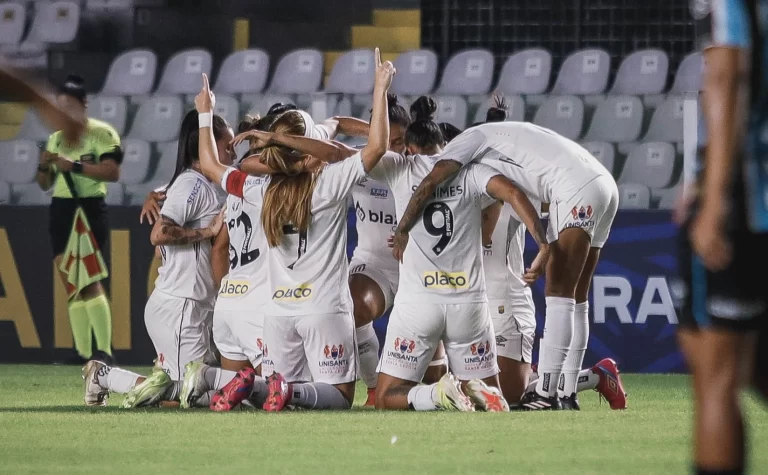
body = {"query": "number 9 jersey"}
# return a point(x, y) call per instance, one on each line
point(443, 261)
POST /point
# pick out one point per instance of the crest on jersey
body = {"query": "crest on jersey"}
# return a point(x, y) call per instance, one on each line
point(404, 345)
point(582, 213)
point(501, 309)
point(480, 349)
point(334, 352)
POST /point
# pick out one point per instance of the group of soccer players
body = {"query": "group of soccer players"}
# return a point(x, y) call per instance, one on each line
point(291, 323)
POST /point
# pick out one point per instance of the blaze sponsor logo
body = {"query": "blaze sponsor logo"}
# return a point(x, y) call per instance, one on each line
point(334, 352)
point(378, 217)
point(297, 294)
point(446, 280)
point(404, 345)
point(582, 217)
point(234, 288)
point(379, 192)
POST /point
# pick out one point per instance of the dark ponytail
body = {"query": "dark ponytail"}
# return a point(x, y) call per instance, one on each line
point(498, 111)
point(423, 131)
point(395, 112)
point(189, 139)
point(449, 131)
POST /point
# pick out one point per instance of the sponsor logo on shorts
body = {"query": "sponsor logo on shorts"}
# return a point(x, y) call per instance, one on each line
point(379, 193)
point(335, 362)
point(266, 361)
point(292, 294)
point(357, 269)
point(480, 358)
point(446, 280)
point(234, 288)
point(582, 217)
point(501, 341)
point(501, 309)
point(401, 357)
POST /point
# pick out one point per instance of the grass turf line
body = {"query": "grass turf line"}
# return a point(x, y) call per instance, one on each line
point(44, 428)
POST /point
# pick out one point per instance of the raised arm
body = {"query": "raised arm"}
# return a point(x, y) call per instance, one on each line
point(352, 127)
point(210, 165)
point(329, 151)
point(378, 135)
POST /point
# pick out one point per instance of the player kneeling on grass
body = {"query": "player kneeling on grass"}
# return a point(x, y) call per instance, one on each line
point(178, 313)
point(442, 291)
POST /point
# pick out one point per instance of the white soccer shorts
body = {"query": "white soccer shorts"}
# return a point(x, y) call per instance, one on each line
point(415, 330)
point(180, 330)
point(239, 334)
point(591, 209)
point(515, 325)
point(386, 277)
point(321, 348)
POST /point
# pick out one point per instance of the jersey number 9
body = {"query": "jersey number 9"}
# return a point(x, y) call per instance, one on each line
point(445, 231)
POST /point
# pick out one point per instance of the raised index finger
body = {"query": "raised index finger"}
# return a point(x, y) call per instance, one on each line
point(377, 55)
point(206, 86)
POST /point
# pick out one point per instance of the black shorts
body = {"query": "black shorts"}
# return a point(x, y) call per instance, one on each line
point(62, 214)
point(734, 298)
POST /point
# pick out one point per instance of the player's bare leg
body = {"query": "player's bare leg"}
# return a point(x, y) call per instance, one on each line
point(369, 304)
point(438, 367)
point(513, 378)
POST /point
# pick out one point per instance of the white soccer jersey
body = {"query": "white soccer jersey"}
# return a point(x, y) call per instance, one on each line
point(443, 260)
point(544, 164)
point(308, 270)
point(503, 260)
point(245, 287)
point(193, 202)
point(376, 220)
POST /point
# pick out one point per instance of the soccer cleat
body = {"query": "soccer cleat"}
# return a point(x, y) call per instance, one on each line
point(452, 398)
point(95, 394)
point(149, 392)
point(194, 385)
point(570, 403)
point(533, 401)
point(610, 386)
point(371, 401)
point(486, 398)
point(279, 393)
point(234, 392)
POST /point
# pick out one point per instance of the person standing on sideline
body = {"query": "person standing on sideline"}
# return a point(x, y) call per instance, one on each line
point(90, 162)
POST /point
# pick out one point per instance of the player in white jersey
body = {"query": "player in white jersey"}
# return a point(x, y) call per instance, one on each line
point(583, 201)
point(442, 295)
point(308, 324)
point(178, 312)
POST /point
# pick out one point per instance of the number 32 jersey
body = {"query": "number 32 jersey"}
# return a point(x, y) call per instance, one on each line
point(443, 262)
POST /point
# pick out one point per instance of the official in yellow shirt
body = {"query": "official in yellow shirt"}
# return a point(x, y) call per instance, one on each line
point(91, 161)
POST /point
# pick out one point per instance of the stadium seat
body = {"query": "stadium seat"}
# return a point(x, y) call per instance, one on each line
point(634, 196)
point(228, 108)
point(13, 17)
point(18, 161)
point(515, 109)
point(604, 153)
point(30, 195)
point(137, 155)
point(667, 197)
point(5, 194)
point(467, 73)
point(243, 72)
point(33, 129)
point(54, 22)
point(688, 78)
point(526, 72)
point(618, 119)
point(113, 110)
point(352, 73)
point(452, 109)
point(115, 194)
point(563, 114)
point(416, 73)
point(258, 104)
point(583, 72)
point(667, 122)
point(298, 72)
point(158, 119)
point(651, 164)
point(642, 72)
point(166, 164)
point(131, 74)
point(108, 5)
point(182, 73)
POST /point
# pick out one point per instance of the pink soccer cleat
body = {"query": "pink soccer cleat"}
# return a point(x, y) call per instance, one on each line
point(610, 386)
point(279, 393)
point(234, 392)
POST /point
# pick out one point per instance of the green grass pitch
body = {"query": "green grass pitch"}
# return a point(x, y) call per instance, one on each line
point(44, 428)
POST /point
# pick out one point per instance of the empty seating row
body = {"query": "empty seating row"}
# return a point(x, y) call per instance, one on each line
point(54, 22)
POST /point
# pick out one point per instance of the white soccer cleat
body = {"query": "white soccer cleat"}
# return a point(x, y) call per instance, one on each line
point(452, 398)
point(486, 398)
point(194, 384)
point(95, 394)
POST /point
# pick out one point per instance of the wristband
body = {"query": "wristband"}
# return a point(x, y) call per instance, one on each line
point(77, 167)
point(205, 119)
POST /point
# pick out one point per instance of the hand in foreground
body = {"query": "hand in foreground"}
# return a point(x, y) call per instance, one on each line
point(205, 101)
point(151, 207)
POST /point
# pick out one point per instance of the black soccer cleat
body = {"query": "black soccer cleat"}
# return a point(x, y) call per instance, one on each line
point(533, 401)
point(570, 403)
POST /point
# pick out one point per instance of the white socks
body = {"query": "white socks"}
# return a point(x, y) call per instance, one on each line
point(368, 353)
point(558, 332)
point(576, 350)
point(587, 380)
point(318, 396)
point(423, 397)
point(116, 380)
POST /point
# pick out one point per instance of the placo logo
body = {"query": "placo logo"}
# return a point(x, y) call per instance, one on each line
point(446, 280)
point(234, 288)
point(295, 294)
